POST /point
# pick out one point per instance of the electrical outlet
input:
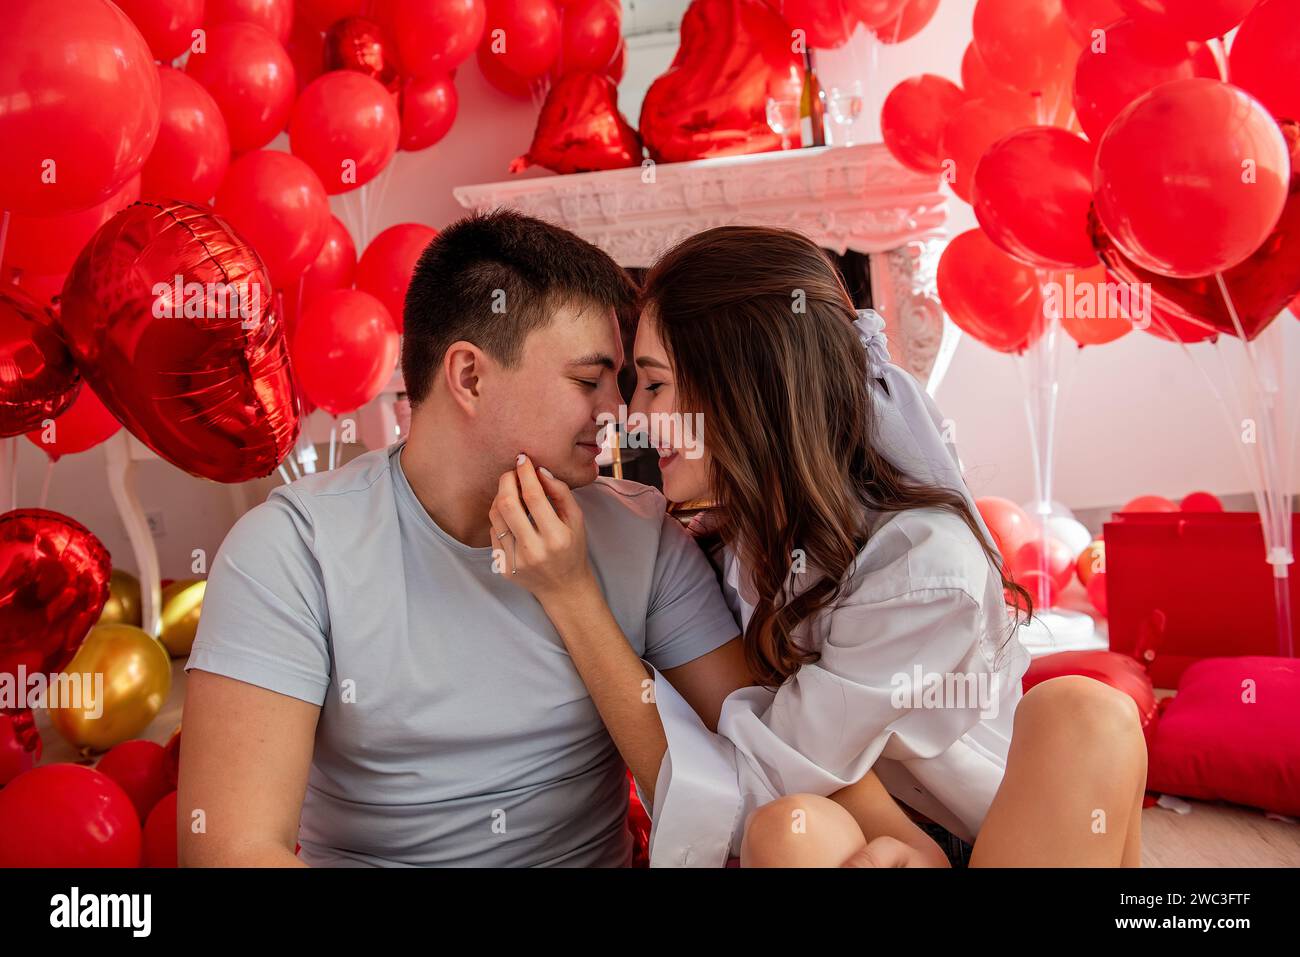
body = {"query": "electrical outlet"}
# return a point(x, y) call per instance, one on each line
point(156, 527)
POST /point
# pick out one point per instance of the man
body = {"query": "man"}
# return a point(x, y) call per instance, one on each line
point(365, 680)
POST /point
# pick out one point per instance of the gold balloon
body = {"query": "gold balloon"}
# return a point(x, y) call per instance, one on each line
point(125, 678)
point(123, 606)
point(181, 603)
point(1091, 560)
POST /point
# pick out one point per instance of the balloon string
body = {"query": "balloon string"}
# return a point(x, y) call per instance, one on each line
point(285, 475)
point(45, 486)
point(334, 434)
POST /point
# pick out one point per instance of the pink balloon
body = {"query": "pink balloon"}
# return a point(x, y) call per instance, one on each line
point(78, 105)
point(388, 263)
point(1191, 178)
point(277, 204)
point(344, 350)
point(1032, 194)
point(192, 154)
point(167, 25)
point(251, 77)
point(345, 126)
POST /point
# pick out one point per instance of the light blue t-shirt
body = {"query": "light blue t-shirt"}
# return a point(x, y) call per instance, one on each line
point(454, 728)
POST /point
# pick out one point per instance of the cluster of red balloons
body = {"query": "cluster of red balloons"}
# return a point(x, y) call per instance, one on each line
point(120, 813)
point(1100, 144)
point(526, 42)
point(830, 23)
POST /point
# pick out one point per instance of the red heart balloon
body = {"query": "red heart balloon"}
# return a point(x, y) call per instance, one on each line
point(170, 316)
point(53, 584)
point(580, 129)
point(1260, 288)
point(38, 379)
point(734, 55)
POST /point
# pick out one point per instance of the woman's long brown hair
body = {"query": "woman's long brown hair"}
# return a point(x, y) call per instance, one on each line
point(758, 327)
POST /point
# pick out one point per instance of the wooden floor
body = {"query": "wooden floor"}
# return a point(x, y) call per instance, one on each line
point(1210, 835)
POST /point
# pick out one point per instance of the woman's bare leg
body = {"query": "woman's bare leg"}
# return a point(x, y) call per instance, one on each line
point(800, 830)
point(1076, 773)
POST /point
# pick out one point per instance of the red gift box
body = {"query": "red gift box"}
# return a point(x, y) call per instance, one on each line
point(1182, 586)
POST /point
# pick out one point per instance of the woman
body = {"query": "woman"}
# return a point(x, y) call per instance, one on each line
point(870, 594)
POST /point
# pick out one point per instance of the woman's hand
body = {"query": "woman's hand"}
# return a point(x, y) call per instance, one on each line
point(888, 851)
point(538, 529)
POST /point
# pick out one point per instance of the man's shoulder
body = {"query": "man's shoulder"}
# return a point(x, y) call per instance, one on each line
point(358, 476)
point(621, 501)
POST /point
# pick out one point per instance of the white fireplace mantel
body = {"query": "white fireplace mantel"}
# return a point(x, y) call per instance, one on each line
point(850, 197)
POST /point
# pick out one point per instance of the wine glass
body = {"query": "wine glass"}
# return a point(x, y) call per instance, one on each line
point(845, 105)
point(782, 117)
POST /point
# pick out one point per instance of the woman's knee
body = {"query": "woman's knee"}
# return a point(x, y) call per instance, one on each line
point(1084, 709)
point(799, 830)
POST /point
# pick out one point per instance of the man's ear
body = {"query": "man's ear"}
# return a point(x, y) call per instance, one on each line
point(463, 367)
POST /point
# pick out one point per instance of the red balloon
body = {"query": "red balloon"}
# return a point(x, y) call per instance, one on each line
point(1042, 589)
point(250, 76)
point(913, 118)
point(38, 379)
point(140, 769)
point(875, 13)
point(20, 744)
point(1096, 589)
point(323, 14)
point(433, 36)
point(524, 35)
point(47, 245)
point(359, 45)
point(306, 50)
point(193, 150)
point(978, 83)
point(1265, 60)
point(1134, 61)
point(1054, 557)
point(344, 349)
point(590, 35)
point(1149, 503)
point(345, 126)
point(66, 815)
point(1189, 19)
point(278, 204)
point(83, 426)
point(335, 266)
point(160, 849)
point(1009, 524)
point(54, 576)
point(712, 101)
point(172, 756)
point(1172, 329)
point(274, 16)
point(1110, 667)
point(1200, 502)
point(1192, 177)
point(428, 108)
point(167, 25)
point(1085, 16)
point(615, 70)
point(974, 127)
point(169, 314)
point(825, 23)
point(1097, 323)
point(495, 72)
point(580, 129)
point(388, 263)
point(1032, 193)
point(989, 295)
point(913, 17)
point(1026, 43)
point(78, 105)
point(1259, 288)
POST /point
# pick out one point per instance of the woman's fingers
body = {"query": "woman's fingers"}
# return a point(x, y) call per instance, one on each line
point(503, 543)
point(561, 496)
point(511, 509)
point(534, 496)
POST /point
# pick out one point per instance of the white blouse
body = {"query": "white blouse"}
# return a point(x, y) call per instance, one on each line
point(918, 679)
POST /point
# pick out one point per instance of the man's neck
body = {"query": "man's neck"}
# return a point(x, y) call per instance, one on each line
point(444, 474)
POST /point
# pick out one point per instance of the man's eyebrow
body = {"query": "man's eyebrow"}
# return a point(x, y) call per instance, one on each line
point(595, 359)
point(644, 361)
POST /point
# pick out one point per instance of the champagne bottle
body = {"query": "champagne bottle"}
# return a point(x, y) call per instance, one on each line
point(812, 108)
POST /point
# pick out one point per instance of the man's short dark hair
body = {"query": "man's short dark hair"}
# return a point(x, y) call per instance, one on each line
point(490, 279)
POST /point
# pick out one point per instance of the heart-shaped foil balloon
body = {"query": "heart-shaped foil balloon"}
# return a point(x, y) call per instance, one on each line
point(581, 130)
point(1260, 288)
point(53, 584)
point(734, 56)
point(170, 317)
point(38, 379)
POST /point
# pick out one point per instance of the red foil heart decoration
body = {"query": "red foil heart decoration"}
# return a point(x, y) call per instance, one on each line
point(358, 44)
point(712, 101)
point(581, 130)
point(1260, 288)
point(38, 379)
point(53, 585)
point(170, 316)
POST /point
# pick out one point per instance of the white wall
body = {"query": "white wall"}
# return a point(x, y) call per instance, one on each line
point(1136, 416)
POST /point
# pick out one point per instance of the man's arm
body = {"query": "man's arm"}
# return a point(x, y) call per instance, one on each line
point(244, 766)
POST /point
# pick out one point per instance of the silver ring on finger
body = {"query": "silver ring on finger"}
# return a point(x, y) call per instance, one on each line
point(503, 534)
